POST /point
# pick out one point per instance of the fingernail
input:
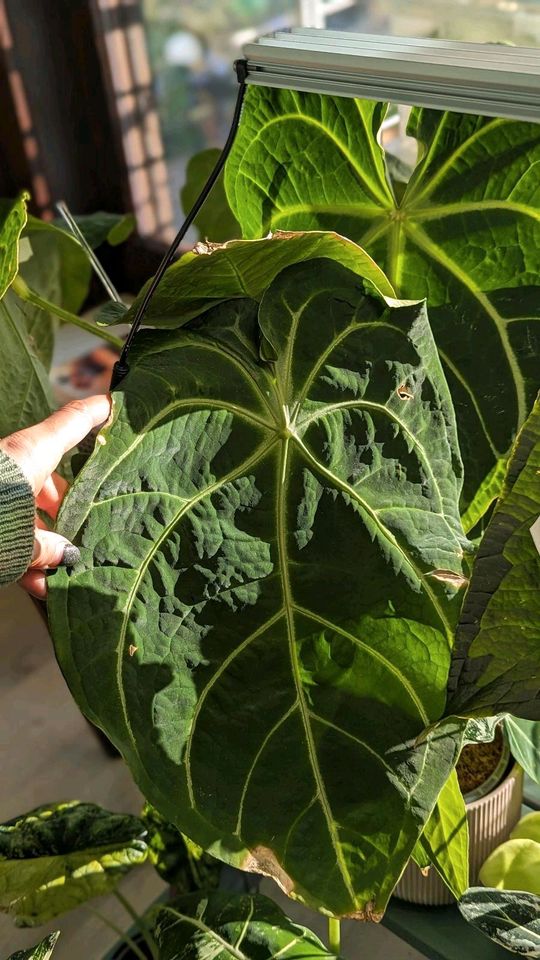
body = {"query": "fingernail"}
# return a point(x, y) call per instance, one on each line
point(70, 556)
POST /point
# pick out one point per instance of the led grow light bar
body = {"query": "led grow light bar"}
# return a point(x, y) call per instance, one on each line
point(487, 79)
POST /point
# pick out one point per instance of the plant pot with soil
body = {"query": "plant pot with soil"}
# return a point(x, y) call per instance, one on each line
point(492, 786)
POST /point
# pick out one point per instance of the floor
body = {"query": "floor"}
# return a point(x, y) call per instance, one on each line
point(48, 752)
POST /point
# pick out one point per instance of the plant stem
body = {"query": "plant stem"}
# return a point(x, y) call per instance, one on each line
point(124, 937)
point(334, 935)
point(30, 296)
point(139, 920)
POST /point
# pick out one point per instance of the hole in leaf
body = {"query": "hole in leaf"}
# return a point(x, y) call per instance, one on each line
point(404, 392)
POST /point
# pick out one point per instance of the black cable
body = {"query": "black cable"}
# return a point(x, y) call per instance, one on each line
point(121, 367)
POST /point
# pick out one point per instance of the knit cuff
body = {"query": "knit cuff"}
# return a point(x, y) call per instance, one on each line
point(17, 515)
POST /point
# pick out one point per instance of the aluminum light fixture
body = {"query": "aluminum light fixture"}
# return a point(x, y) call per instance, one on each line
point(487, 79)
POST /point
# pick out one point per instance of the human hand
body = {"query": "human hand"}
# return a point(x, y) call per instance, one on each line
point(38, 451)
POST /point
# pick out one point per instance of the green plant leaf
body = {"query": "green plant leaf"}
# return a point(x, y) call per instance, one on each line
point(25, 391)
point(445, 840)
point(111, 313)
point(42, 950)
point(224, 925)
point(271, 554)
point(509, 917)
point(486, 495)
point(216, 220)
point(58, 856)
point(495, 659)
point(218, 272)
point(98, 228)
point(465, 233)
point(12, 221)
point(58, 269)
point(515, 865)
point(524, 739)
point(528, 828)
point(177, 859)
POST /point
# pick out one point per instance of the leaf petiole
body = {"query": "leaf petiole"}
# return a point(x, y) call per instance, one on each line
point(334, 935)
point(30, 296)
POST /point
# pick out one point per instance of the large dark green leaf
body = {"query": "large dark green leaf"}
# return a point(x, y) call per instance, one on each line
point(509, 917)
point(270, 555)
point(221, 926)
point(465, 233)
point(218, 272)
point(60, 855)
point(42, 950)
point(495, 660)
point(215, 221)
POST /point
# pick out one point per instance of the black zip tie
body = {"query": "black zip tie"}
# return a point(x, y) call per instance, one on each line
point(121, 367)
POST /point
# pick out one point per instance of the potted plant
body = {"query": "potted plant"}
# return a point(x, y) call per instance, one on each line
point(296, 635)
point(507, 908)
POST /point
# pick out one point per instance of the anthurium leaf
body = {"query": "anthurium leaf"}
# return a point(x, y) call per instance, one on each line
point(25, 391)
point(42, 950)
point(445, 840)
point(12, 221)
point(465, 233)
point(486, 495)
point(509, 917)
point(215, 273)
point(221, 926)
point(495, 659)
point(216, 220)
point(515, 865)
point(270, 555)
point(524, 739)
point(528, 828)
point(58, 856)
point(178, 860)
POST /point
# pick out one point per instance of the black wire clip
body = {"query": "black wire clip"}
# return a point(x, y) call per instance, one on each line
point(121, 367)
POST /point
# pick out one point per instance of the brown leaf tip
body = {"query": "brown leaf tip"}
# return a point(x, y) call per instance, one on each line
point(448, 576)
point(368, 914)
point(263, 860)
point(132, 649)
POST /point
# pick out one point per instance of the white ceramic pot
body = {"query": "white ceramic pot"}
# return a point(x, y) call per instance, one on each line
point(490, 819)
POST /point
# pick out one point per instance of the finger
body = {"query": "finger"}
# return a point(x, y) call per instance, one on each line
point(35, 583)
point(51, 494)
point(51, 550)
point(38, 450)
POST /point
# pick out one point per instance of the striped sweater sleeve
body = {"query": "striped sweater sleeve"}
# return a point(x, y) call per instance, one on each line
point(17, 511)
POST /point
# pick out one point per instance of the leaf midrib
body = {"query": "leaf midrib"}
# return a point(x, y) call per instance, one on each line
point(376, 190)
point(281, 524)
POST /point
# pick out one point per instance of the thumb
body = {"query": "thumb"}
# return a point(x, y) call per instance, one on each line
point(51, 550)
